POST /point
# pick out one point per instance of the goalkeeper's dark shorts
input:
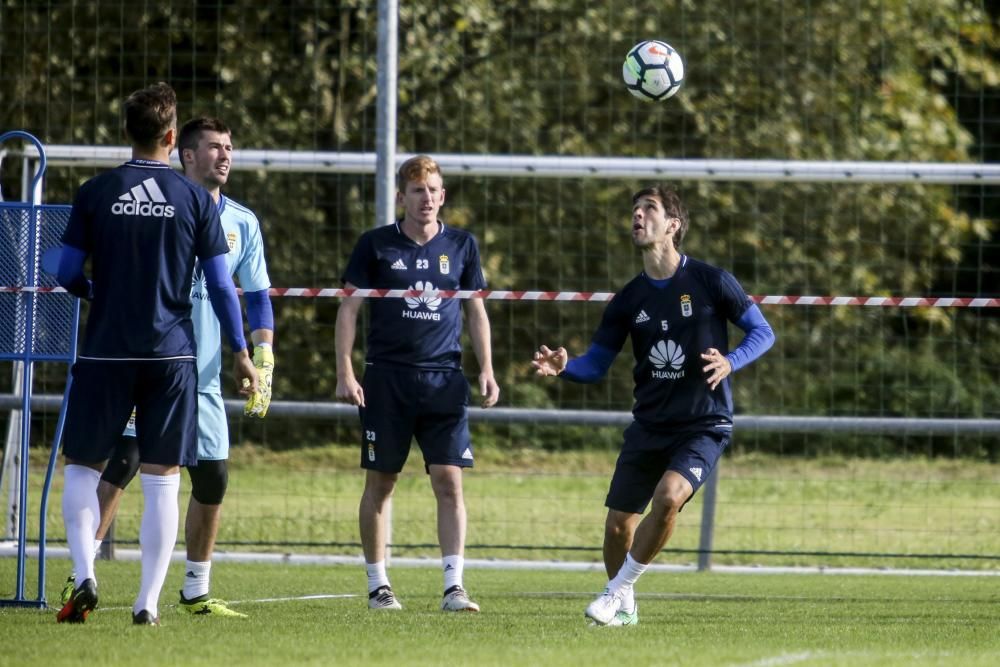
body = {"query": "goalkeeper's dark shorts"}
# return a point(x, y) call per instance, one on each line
point(648, 454)
point(165, 396)
point(402, 404)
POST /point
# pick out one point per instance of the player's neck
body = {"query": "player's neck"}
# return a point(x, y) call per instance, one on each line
point(212, 190)
point(158, 154)
point(418, 232)
point(660, 262)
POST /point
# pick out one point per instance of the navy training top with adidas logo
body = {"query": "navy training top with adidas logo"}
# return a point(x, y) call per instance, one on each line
point(670, 327)
point(142, 224)
point(415, 332)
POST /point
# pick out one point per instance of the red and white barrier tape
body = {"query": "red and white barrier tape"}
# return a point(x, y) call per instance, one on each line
point(883, 301)
point(600, 297)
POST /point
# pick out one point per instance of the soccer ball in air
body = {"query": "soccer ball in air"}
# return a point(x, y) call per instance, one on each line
point(653, 70)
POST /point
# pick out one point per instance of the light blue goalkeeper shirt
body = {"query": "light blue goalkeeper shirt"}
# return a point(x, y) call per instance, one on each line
point(246, 261)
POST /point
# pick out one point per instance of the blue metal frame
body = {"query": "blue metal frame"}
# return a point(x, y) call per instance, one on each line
point(28, 356)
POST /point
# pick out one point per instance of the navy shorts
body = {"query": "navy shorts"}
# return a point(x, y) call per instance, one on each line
point(165, 396)
point(402, 404)
point(648, 454)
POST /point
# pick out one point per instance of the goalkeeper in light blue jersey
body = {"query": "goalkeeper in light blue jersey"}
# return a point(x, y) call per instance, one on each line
point(205, 148)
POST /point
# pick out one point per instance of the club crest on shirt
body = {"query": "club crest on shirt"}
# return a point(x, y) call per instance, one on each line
point(444, 264)
point(231, 239)
point(686, 305)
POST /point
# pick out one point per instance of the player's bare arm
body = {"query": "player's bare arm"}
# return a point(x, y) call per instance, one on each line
point(550, 362)
point(348, 388)
point(245, 373)
point(479, 332)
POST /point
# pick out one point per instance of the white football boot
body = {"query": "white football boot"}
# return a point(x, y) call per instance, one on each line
point(602, 610)
point(456, 599)
point(383, 598)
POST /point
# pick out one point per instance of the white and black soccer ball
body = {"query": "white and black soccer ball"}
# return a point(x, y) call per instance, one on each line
point(653, 70)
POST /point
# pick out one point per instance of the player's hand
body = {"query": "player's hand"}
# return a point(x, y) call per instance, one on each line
point(488, 389)
point(349, 391)
point(245, 373)
point(718, 367)
point(260, 400)
point(550, 362)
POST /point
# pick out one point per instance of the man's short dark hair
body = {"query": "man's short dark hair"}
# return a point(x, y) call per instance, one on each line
point(190, 133)
point(673, 207)
point(149, 114)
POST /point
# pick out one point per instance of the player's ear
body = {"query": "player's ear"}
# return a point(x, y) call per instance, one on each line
point(442, 195)
point(170, 138)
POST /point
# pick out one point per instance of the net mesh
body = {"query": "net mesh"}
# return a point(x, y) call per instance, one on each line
point(27, 232)
point(766, 79)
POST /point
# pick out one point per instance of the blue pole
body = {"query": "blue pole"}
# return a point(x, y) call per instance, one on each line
point(28, 303)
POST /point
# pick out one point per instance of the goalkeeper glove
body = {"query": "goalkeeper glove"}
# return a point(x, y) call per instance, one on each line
point(260, 401)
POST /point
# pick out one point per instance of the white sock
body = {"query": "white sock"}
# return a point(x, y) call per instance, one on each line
point(97, 550)
point(628, 599)
point(81, 514)
point(196, 578)
point(157, 536)
point(376, 575)
point(627, 576)
point(453, 567)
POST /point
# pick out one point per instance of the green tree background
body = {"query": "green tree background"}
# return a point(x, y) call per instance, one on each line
point(898, 80)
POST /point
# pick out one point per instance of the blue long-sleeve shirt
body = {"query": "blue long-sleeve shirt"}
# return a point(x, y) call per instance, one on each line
point(596, 361)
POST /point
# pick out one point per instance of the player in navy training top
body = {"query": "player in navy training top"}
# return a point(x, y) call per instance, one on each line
point(413, 381)
point(205, 147)
point(143, 225)
point(676, 312)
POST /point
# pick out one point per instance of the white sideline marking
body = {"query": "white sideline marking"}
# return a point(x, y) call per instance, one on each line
point(826, 656)
point(9, 549)
point(317, 596)
point(783, 659)
point(683, 596)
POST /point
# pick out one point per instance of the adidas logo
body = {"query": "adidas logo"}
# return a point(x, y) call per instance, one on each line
point(467, 454)
point(398, 265)
point(145, 199)
point(641, 317)
point(696, 472)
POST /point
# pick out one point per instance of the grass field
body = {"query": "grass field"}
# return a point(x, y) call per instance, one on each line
point(528, 618)
point(529, 504)
point(309, 497)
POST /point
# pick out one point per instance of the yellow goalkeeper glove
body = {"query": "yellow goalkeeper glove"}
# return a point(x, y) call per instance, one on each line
point(260, 401)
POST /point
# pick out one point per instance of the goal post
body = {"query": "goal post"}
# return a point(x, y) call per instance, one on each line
point(571, 166)
point(282, 165)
